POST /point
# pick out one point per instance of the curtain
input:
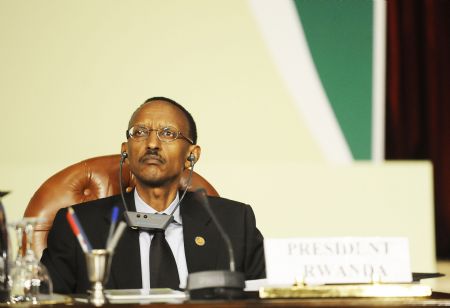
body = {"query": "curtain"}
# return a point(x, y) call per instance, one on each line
point(418, 96)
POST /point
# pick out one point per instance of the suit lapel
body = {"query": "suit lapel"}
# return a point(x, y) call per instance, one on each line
point(200, 236)
point(126, 262)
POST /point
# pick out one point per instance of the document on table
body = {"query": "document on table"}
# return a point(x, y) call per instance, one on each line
point(144, 296)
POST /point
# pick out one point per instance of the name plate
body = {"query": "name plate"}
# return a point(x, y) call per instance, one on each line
point(337, 260)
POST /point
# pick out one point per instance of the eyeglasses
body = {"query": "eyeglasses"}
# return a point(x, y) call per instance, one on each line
point(165, 134)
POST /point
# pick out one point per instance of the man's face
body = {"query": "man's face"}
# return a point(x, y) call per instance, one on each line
point(153, 162)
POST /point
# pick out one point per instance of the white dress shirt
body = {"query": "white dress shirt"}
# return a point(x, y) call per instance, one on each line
point(174, 236)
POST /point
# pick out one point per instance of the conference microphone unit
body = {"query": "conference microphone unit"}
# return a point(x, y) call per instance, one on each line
point(217, 284)
point(147, 221)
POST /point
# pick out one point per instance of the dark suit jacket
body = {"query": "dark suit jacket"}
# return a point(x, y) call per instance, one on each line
point(65, 261)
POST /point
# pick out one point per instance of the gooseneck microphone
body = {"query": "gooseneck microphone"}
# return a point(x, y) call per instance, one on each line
point(147, 221)
point(202, 196)
point(218, 284)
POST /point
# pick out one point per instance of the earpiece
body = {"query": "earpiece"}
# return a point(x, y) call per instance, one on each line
point(124, 154)
point(191, 159)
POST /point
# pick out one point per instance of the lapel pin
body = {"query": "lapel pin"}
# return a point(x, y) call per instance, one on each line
point(200, 241)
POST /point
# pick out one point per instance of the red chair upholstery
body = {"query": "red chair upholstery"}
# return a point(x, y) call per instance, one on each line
point(87, 180)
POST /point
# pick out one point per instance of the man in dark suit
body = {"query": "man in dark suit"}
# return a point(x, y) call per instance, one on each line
point(161, 144)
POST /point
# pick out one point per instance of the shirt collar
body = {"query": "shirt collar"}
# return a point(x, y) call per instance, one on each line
point(143, 207)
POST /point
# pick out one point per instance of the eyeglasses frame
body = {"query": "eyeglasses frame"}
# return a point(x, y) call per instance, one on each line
point(178, 136)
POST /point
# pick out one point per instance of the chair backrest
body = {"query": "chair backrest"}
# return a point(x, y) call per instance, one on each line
point(87, 180)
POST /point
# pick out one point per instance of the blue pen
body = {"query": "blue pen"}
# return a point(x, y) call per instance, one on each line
point(114, 217)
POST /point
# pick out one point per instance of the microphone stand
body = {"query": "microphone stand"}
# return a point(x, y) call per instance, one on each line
point(218, 284)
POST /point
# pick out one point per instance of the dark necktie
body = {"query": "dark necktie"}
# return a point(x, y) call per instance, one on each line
point(163, 268)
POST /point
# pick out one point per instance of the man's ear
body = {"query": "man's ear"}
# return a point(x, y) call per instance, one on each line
point(193, 156)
